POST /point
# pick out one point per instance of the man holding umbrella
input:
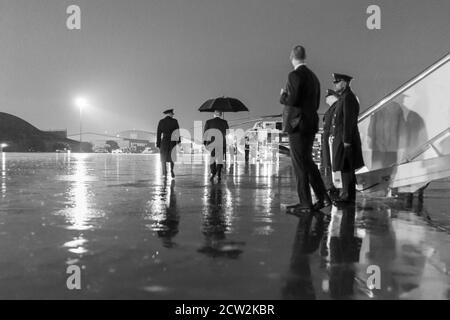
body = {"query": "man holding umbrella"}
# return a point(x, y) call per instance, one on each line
point(215, 132)
point(215, 135)
point(168, 136)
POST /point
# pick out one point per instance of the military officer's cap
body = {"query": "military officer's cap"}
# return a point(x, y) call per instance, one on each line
point(331, 93)
point(170, 111)
point(338, 77)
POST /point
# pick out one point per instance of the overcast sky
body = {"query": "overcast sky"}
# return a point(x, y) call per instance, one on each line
point(134, 58)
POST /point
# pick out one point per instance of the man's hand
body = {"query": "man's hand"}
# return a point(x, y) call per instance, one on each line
point(283, 96)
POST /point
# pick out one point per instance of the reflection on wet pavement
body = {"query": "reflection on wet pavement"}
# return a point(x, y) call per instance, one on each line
point(136, 235)
point(163, 213)
point(217, 222)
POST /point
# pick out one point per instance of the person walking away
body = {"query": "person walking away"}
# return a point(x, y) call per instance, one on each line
point(215, 133)
point(167, 138)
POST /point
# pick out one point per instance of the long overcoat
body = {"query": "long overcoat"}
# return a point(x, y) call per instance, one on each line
point(345, 129)
point(168, 137)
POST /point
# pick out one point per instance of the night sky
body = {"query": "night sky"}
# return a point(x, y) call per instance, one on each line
point(133, 59)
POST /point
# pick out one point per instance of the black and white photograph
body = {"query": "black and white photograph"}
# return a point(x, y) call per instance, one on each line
point(224, 155)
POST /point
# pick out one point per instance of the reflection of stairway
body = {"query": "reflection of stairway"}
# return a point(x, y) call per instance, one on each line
point(414, 160)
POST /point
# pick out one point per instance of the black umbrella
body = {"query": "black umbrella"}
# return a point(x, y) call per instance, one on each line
point(223, 104)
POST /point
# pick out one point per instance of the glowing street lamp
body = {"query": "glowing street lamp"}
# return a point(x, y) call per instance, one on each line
point(82, 103)
point(3, 145)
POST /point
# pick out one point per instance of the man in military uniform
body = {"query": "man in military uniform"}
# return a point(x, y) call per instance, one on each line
point(346, 146)
point(168, 136)
point(331, 99)
point(215, 134)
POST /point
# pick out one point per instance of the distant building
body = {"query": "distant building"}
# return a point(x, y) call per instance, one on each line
point(21, 136)
point(138, 140)
point(61, 134)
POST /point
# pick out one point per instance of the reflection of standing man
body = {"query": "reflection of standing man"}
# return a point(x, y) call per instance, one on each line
point(413, 133)
point(301, 99)
point(344, 250)
point(331, 99)
point(395, 132)
point(165, 142)
point(384, 135)
point(299, 284)
point(413, 136)
point(215, 135)
point(347, 153)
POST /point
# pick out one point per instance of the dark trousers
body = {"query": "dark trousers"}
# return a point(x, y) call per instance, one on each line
point(326, 164)
point(348, 191)
point(348, 186)
point(305, 169)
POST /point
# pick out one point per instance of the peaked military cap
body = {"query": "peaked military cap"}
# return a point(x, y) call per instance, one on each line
point(338, 77)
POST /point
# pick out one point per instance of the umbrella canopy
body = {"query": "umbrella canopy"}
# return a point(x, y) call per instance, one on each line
point(223, 104)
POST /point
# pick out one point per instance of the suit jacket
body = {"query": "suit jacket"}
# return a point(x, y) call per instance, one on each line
point(219, 124)
point(166, 128)
point(301, 101)
point(345, 130)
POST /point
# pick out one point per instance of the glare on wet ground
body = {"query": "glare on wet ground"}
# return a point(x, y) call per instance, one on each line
point(135, 235)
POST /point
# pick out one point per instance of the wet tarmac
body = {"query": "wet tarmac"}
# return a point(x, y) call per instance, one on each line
point(137, 236)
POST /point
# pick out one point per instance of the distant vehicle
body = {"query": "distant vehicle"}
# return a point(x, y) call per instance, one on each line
point(149, 150)
point(117, 151)
point(100, 150)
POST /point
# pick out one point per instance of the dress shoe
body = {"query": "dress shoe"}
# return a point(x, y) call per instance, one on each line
point(343, 202)
point(322, 204)
point(299, 209)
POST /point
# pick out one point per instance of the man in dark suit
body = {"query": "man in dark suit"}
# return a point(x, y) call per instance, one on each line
point(168, 136)
point(215, 135)
point(346, 148)
point(301, 99)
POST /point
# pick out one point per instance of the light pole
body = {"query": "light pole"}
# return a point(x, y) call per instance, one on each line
point(81, 103)
point(3, 145)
